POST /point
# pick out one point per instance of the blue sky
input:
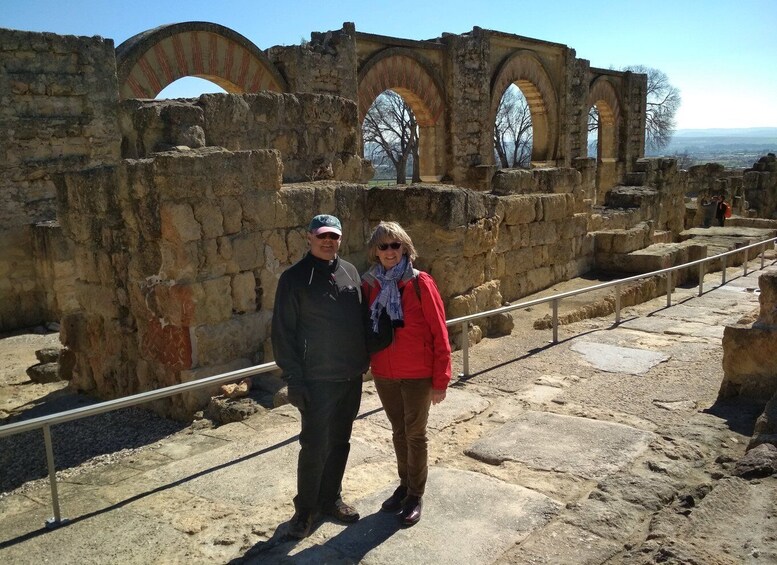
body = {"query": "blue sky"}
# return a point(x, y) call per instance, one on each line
point(721, 54)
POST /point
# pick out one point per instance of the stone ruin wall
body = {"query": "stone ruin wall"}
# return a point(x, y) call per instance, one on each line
point(752, 192)
point(750, 362)
point(317, 135)
point(58, 100)
point(178, 255)
point(177, 223)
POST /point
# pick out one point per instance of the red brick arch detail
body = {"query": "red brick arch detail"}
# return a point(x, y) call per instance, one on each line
point(148, 62)
point(524, 69)
point(406, 75)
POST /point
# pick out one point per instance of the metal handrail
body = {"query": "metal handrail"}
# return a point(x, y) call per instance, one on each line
point(555, 299)
point(45, 422)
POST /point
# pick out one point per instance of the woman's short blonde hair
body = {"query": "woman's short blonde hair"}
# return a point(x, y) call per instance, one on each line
point(386, 232)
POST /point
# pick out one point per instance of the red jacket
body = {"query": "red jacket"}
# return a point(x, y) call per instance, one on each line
point(420, 349)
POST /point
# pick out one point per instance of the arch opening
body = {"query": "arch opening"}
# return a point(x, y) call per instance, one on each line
point(409, 80)
point(513, 131)
point(190, 87)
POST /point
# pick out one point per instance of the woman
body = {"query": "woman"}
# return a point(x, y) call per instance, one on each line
point(413, 371)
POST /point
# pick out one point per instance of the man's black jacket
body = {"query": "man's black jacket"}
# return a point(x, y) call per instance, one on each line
point(318, 322)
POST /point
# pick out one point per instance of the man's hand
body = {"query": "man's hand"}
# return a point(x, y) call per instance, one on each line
point(298, 396)
point(437, 396)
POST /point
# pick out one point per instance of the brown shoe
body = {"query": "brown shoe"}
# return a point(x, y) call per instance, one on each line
point(301, 524)
point(394, 502)
point(411, 510)
point(342, 512)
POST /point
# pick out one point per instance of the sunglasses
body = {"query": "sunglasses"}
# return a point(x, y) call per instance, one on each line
point(393, 245)
point(328, 235)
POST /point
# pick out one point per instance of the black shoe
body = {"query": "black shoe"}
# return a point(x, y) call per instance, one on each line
point(411, 510)
point(342, 512)
point(394, 502)
point(301, 524)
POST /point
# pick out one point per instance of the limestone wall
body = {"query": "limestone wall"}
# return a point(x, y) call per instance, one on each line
point(318, 136)
point(58, 113)
point(750, 351)
point(326, 64)
point(177, 257)
point(760, 187)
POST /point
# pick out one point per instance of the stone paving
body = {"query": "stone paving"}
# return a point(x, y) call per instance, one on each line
point(544, 454)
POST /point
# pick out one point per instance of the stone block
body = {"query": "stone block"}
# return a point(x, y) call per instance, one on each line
point(244, 292)
point(513, 181)
point(213, 301)
point(248, 251)
point(520, 209)
point(179, 262)
point(767, 316)
point(749, 363)
point(210, 219)
point(231, 214)
point(179, 223)
point(554, 207)
point(239, 337)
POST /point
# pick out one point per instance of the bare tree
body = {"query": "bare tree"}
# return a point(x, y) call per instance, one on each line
point(513, 130)
point(663, 101)
point(390, 134)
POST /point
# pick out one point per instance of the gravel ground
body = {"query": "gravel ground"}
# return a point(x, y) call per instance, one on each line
point(78, 445)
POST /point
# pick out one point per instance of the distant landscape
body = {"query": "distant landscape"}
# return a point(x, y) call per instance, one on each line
point(733, 148)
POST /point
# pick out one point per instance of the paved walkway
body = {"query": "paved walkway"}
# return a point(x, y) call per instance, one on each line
point(580, 452)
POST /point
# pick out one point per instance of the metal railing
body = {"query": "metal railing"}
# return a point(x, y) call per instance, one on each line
point(45, 422)
point(555, 299)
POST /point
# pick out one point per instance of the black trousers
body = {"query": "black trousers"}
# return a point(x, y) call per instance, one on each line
point(327, 421)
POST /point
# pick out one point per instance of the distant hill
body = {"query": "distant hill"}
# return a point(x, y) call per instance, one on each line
point(727, 132)
point(732, 147)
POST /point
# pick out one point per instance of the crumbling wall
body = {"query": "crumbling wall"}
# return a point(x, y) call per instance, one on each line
point(326, 64)
point(750, 361)
point(58, 113)
point(178, 257)
point(318, 136)
point(760, 187)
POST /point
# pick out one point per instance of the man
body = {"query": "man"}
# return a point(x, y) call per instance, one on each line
point(318, 341)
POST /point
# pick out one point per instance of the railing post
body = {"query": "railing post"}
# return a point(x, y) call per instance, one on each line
point(668, 289)
point(465, 348)
point(554, 305)
point(723, 268)
point(56, 520)
point(747, 254)
point(617, 304)
point(701, 277)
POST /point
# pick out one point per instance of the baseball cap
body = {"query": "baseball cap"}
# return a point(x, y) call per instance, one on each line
point(325, 223)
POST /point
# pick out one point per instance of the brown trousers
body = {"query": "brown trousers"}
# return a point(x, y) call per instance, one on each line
point(406, 402)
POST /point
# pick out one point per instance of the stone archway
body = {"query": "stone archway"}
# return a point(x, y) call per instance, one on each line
point(149, 61)
point(526, 71)
point(604, 96)
point(409, 76)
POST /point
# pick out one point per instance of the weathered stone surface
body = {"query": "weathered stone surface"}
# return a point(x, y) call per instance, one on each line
point(225, 410)
point(44, 372)
point(583, 447)
point(616, 359)
point(761, 461)
point(48, 355)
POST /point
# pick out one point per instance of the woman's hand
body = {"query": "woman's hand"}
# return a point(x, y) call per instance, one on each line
point(437, 396)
